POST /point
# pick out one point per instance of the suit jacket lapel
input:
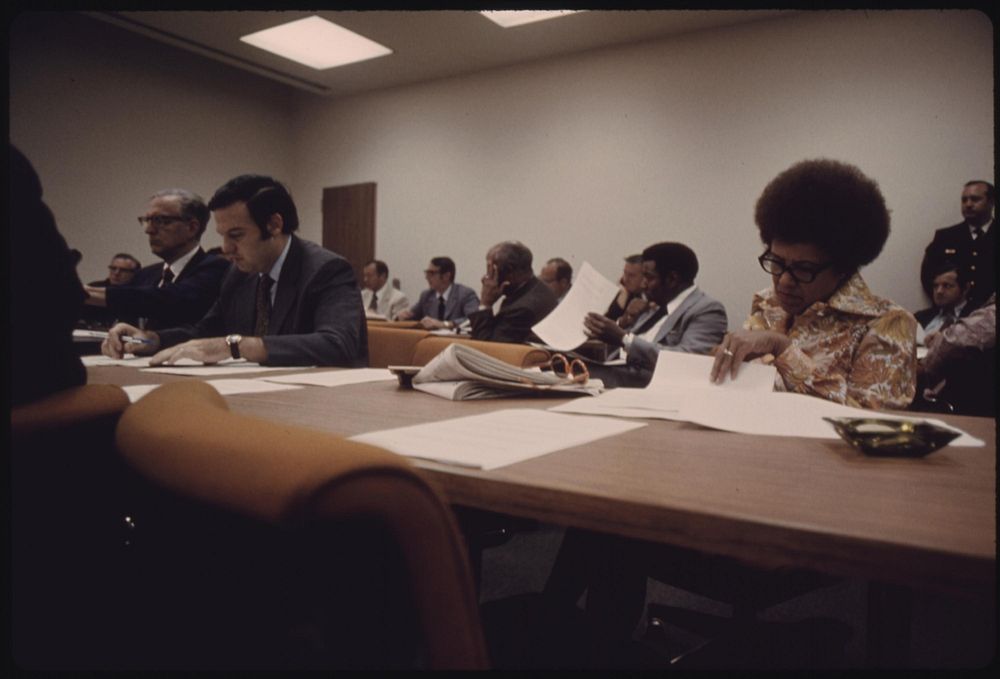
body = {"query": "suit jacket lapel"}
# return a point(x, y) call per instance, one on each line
point(677, 314)
point(192, 264)
point(288, 285)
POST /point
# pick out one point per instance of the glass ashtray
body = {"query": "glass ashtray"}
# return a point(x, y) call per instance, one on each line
point(894, 438)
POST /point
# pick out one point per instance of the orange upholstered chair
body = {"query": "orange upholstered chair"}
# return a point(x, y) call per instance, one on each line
point(332, 553)
point(388, 345)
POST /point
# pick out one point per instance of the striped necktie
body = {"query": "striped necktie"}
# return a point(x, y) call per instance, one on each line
point(263, 305)
point(168, 276)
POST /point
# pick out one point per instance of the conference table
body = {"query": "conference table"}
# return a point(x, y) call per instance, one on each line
point(922, 523)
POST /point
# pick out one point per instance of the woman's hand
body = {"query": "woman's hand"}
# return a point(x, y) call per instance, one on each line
point(745, 345)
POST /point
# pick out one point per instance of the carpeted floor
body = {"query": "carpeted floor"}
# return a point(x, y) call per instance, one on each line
point(804, 632)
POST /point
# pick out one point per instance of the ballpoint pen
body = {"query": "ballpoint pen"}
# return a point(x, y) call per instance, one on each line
point(127, 339)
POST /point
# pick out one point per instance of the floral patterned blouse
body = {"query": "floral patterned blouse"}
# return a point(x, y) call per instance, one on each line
point(855, 348)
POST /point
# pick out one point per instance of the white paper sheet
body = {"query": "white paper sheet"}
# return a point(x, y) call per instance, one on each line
point(562, 329)
point(130, 360)
point(495, 439)
point(675, 368)
point(187, 366)
point(224, 387)
point(731, 408)
point(334, 378)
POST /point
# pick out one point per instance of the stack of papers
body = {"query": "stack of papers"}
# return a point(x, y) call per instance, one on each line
point(461, 373)
point(681, 390)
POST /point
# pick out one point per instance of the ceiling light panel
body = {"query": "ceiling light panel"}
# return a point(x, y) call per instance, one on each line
point(317, 43)
point(516, 17)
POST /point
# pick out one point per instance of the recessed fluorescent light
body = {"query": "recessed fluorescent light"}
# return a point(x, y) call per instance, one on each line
point(516, 17)
point(317, 43)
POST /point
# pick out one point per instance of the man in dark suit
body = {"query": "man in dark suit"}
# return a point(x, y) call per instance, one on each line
point(285, 301)
point(445, 304)
point(185, 285)
point(972, 242)
point(950, 290)
point(512, 299)
point(685, 318)
point(121, 271)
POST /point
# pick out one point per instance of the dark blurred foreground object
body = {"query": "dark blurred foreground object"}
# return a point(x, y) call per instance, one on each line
point(44, 303)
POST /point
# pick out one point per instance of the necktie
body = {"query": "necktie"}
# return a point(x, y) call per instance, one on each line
point(949, 320)
point(168, 276)
point(440, 307)
point(263, 305)
point(374, 303)
point(651, 321)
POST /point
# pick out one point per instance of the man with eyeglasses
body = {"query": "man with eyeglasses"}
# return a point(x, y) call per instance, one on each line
point(445, 304)
point(121, 271)
point(285, 301)
point(185, 285)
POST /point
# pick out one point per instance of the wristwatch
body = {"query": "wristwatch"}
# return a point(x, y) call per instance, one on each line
point(234, 344)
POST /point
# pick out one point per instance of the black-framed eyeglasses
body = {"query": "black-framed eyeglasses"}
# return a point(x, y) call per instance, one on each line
point(160, 221)
point(803, 272)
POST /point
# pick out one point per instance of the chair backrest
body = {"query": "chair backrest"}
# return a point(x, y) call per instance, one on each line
point(520, 355)
point(388, 345)
point(183, 438)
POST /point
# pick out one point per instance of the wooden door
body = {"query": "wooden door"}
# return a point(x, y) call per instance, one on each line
point(349, 223)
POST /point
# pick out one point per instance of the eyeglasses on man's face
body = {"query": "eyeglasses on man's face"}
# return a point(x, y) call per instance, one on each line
point(159, 221)
point(802, 272)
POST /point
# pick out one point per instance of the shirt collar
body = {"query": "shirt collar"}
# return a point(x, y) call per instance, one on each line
point(445, 293)
point(679, 299)
point(178, 264)
point(984, 228)
point(275, 272)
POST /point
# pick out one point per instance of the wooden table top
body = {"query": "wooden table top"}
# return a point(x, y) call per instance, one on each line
point(928, 523)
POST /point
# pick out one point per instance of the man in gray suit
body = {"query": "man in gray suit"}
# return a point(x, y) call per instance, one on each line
point(445, 304)
point(285, 301)
point(684, 318)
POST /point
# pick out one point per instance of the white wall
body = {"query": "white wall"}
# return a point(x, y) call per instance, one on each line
point(595, 156)
point(108, 117)
point(590, 157)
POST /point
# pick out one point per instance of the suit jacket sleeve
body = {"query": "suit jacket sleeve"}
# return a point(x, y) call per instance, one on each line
point(700, 330)
point(468, 303)
point(184, 301)
point(215, 323)
point(513, 326)
point(398, 305)
point(330, 321)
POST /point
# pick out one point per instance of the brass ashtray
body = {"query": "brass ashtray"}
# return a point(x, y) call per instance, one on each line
point(892, 438)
